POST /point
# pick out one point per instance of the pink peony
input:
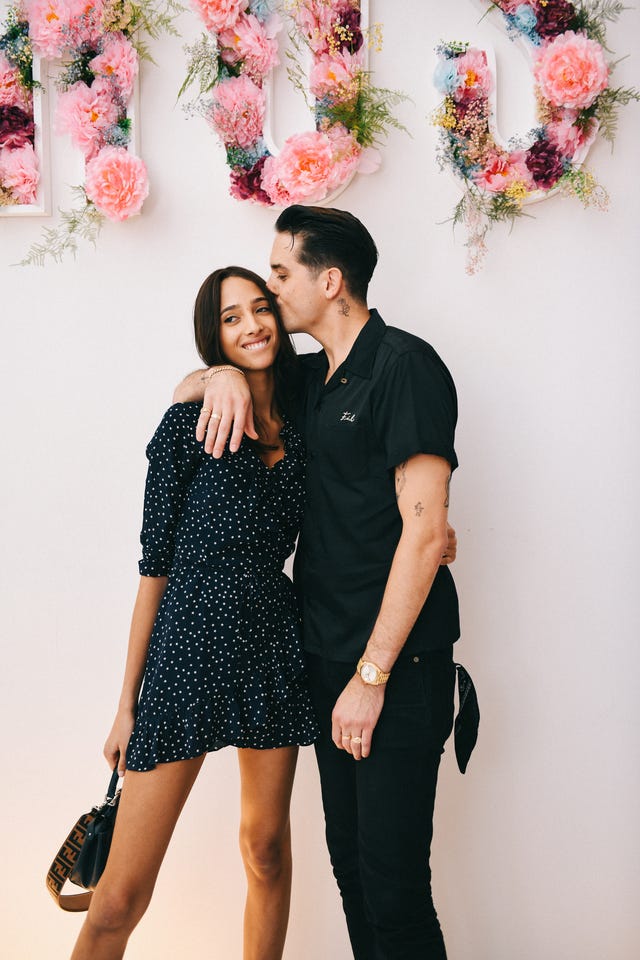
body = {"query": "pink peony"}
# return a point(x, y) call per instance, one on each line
point(116, 182)
point(237, 111)
point(301, 171)
point(346, 154)
point(118, 62)
point(219, 14)
point(568, 136)
point(571, 71)
point(85, 113)
point(475, 76)
point(501, 170)
point(19, 173)
point(86, 22)
point(252, 42)
point(333, 76)
point(12, 93)
point(49, 22)
point(315, 21)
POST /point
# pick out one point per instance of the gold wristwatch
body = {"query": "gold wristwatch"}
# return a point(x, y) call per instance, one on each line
point(371, 674)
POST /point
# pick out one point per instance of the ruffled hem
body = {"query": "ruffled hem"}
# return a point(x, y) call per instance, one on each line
point(220, 724)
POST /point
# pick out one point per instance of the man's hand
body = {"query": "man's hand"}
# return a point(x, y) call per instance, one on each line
point(227, 409)
point(355, 715)
point(451, 549)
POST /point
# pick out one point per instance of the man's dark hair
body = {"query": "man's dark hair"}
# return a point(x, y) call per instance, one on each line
point(332, 238)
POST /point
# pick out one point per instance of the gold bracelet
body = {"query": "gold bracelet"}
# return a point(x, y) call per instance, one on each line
point(221, 369)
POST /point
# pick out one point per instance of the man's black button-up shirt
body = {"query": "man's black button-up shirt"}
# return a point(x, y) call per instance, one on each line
point(393, 397)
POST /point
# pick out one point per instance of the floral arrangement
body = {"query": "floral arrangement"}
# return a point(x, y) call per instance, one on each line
point(19, 173)
point(574, 100)
point(97, 41)
point(232, 65)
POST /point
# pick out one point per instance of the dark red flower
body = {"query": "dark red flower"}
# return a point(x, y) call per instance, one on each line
point(16, 128)
point(247, 184)
point(347, 32)
point(545, 164)
point(554, 17)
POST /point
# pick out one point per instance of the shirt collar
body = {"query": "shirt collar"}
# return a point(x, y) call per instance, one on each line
point(362, 354)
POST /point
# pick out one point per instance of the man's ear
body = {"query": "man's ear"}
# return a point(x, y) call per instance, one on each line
point(334, 284)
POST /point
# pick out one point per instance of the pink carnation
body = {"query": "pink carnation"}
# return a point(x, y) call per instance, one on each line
point(332, 75)
point(301, 171)
point(237, 111)
point(49, 22)
point(85, 113)
point(219, 14)
point(571, 71)
point(116, 182)
point(501, 170)
point(19, 173)
point(118, 62)
point(252, 42)
point(12, 93)
point(475, 76)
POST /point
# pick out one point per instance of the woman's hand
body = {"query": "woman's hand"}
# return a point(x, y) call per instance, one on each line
point(115, 748)
point(451, 549)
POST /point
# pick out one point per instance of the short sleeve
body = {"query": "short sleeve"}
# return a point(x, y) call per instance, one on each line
point(416, 408)
point(173, 454)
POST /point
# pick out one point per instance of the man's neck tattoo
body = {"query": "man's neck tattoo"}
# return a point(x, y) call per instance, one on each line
point(343, 307)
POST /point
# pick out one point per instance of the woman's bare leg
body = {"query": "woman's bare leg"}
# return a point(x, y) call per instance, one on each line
point(149, 809)
point(265, 842)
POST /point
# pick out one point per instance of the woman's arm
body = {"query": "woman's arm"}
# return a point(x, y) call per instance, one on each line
point(150, 594)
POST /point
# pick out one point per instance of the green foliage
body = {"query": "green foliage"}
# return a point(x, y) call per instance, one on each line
point(153, 18)
point(607, 106)
point(592, 16)
point(83, 223)
point(15, 43)
point(203, 67)
point(369, 114)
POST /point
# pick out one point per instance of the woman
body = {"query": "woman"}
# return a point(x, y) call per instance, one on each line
point(214, 633)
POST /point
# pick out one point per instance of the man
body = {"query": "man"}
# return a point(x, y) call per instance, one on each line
point(380, 612)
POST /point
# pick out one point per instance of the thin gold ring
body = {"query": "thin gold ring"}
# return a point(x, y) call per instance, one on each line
point(346, 736)
point(216, 416)
point(356, 739)
point(206, 410)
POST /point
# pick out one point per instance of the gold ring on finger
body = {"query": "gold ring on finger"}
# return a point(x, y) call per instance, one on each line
point(206, 410)
point(346, 736)
point(216, 416)
point(356, 739)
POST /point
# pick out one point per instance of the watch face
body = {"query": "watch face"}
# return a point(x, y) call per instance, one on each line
point(368, 673)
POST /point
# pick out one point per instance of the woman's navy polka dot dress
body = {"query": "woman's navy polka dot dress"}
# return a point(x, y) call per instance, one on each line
point(225, 664)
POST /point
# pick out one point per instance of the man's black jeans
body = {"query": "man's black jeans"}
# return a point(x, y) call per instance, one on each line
point(379, 811)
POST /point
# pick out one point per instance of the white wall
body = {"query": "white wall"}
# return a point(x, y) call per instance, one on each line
point(536, 848)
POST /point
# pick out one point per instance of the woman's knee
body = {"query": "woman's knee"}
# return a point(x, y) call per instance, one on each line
point(266, 854)
point(116, 908)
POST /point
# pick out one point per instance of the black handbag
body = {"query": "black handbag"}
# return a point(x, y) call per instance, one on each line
point(83, 856)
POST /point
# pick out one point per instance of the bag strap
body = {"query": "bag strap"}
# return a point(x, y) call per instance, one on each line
point(65, 859)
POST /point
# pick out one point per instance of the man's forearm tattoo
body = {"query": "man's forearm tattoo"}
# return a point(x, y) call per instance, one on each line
point(344, 307)
point(401, 478)
point(418, 508)
point(446, 490)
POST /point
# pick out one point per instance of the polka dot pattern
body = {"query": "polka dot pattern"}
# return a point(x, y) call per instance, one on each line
point(225, 663)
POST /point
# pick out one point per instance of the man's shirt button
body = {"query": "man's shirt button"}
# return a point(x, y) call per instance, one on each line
point(343, 380)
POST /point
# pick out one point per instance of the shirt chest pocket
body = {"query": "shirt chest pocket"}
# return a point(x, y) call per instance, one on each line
point(345, 447)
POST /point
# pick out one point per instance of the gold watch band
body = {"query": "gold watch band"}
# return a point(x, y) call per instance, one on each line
point(375, 681)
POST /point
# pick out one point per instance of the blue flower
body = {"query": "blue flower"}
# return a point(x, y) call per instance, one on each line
point(525, 21)
point(445, 77)
point(261, 8)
